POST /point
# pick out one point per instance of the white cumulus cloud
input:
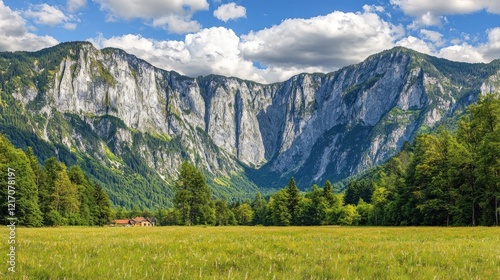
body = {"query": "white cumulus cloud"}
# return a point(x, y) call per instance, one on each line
point(74, 5)
point(433, 36)
point(49, 15)
point(328, 42)
point(230, 11)
point(166, 14)
point(416, 44)
point(46, 14)
point(209, 51)
point(14, 35)
point(463, 52)
point(432, 12)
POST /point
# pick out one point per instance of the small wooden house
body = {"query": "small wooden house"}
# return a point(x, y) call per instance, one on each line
point(135, 222)
point(142, 222)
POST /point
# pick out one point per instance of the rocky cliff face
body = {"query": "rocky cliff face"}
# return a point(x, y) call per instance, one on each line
point(313, 126)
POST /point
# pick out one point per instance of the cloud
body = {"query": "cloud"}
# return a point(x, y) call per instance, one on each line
point(433, 36)
point(463, 52)
point(230, 11)
point(176, 24)
point(70, 26)
point(14, 35)
point(49, 15)
point(74, 5)
point(416, 44)
point(431, 43)
point(319, 44)
point(373, 8)
point(432, 12)
point(491, 49)
point(328, 42)
point(46, 14)
point(165, 14)
point(210, 51)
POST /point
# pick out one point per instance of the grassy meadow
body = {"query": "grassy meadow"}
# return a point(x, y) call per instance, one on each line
point(254, 253)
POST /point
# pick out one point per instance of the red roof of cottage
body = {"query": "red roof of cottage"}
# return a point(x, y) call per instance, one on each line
point(121, 222)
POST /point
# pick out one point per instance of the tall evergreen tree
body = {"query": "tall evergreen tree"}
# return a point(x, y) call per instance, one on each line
point(328, 194)
point(23, 191)
point(103, 214)
point(259, 206)
point(86, 196)
point(193, 197)
point(313, 210)
point(224, 215)
point(293, 200)
point(279, 209)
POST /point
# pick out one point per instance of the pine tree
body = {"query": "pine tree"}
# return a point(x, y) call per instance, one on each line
point(86, 193)
point(224, 215)
point(259, 208)
point(328, 194)
point(46, 191)
point(313, 210)
point(23, 191)
point(279, 209)
point(193, 197)
point(103, 214)
point(293, 200)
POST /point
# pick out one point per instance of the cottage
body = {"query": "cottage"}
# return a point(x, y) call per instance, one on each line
point(136, 222)
point(142, 222)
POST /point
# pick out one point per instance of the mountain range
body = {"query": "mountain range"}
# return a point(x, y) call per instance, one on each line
point(130, 125)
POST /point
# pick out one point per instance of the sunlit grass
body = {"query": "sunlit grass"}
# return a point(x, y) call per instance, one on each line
point(255, 253)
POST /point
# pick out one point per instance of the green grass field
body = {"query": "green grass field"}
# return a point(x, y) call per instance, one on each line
point(254, 253)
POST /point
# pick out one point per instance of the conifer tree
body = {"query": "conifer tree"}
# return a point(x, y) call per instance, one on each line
point(293, 196)
point(193, 197)
point(328, 194)
point(259, 208)
point(23, 191)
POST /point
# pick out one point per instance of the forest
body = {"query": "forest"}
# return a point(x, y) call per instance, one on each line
point(442, 179)
point(48, 194)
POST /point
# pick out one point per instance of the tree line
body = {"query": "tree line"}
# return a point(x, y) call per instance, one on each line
point(194, 205)
point(48, 194)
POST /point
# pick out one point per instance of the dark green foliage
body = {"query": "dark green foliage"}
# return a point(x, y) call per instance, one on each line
point(357, 190)
point(279, 208)
point(223, 215)
point(19, 191)
point(293, 197)
point(313, 208)
point(193, 197)
point(259, 206)
point(243, 214)
point(442, 179)
point(51, 195)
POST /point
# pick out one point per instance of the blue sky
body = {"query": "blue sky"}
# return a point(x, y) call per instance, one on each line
point(260, 40)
